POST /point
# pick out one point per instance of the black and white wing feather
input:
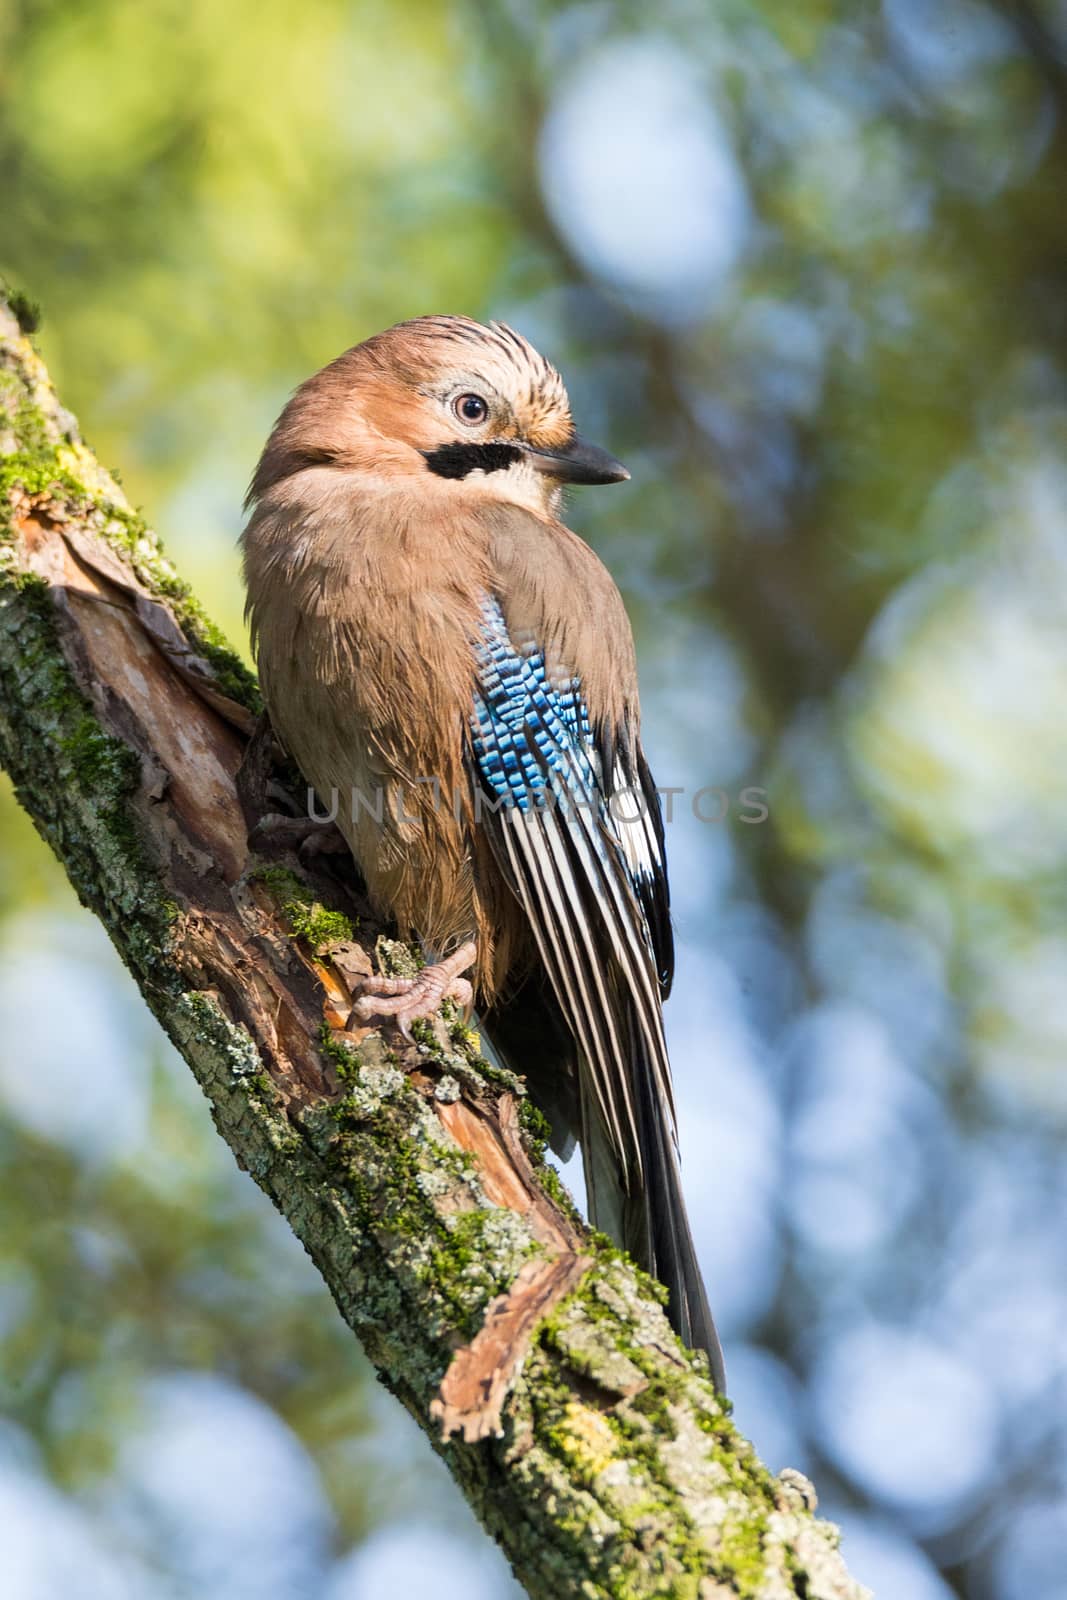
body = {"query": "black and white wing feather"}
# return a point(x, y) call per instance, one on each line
point(575, 824)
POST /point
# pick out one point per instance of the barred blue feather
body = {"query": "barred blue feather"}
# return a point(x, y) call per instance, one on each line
point(532, 740)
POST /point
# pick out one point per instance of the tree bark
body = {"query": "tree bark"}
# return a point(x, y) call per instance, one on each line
point(537, 1359)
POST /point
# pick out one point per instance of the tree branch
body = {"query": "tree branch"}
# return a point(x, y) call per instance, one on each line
point(591, 1445)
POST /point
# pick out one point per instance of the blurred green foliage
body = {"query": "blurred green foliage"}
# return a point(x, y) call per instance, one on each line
point(845, 550)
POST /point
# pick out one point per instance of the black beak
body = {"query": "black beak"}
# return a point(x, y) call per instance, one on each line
point(577, 462)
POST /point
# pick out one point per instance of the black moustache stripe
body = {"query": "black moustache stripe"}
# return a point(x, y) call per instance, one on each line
point(456, 460)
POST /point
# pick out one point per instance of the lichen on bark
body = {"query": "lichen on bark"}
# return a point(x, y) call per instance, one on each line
point(411, 1172)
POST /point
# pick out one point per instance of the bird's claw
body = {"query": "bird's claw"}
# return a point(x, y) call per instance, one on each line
point(406, 1000)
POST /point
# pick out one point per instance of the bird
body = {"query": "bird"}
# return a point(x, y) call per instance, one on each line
point(439, 649)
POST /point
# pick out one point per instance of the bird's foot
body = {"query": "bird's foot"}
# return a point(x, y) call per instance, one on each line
point(407, 999)
point(276, 833)
point(271, 808)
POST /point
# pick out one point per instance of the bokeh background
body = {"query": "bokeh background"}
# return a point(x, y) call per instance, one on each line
point(805, 268)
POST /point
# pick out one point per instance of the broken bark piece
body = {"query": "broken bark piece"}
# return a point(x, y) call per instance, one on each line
point(159, 623)
point(482, 1374)
point(351, 961)
point(491, 1134)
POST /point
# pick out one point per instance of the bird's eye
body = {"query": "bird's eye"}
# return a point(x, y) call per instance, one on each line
point(470, 408)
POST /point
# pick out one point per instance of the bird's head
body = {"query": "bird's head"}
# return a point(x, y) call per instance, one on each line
point(443, 396)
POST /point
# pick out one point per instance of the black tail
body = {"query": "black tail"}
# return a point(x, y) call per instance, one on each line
point(650, 1220)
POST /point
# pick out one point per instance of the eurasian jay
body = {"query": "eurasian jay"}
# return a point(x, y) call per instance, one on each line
point(439, 649)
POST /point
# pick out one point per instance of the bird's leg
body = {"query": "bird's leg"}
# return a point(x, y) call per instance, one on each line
point(269, 806)
point(275, 833)
point(406, 999)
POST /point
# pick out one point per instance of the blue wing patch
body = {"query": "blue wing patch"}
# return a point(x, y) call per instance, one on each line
point(532, 740)
point(534, 750)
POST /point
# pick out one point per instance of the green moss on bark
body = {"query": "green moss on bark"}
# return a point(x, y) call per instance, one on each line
point(308, 919)
point(76, 781)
